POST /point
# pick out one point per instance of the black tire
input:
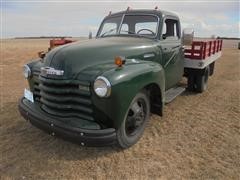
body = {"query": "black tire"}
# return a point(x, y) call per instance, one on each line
point(191, 83)
point(202, 80)
point(135, 121)
point(211, 68)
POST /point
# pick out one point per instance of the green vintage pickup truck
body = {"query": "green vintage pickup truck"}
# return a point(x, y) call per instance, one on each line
point(102, 91)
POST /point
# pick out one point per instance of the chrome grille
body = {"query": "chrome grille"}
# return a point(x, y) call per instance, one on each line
point(64, 99)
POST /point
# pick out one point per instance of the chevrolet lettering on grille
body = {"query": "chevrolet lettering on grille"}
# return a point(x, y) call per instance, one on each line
point(51, 71)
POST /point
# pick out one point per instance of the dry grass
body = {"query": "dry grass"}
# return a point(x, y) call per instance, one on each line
point(198, 137)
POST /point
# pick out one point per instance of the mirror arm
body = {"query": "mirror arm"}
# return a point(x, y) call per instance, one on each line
point(90, 35)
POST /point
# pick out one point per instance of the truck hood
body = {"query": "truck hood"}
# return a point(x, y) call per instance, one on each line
point(91, 57)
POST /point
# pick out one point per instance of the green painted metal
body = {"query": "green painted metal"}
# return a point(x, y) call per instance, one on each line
point(148, 62)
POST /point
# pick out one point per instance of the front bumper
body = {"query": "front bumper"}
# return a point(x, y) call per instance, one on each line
point(88, 137)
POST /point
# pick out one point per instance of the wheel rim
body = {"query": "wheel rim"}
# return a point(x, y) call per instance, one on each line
point(136, 117)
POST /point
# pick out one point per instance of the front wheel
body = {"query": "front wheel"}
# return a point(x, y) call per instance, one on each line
point(135, 121)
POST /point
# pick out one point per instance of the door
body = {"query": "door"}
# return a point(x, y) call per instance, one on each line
point(172, 54)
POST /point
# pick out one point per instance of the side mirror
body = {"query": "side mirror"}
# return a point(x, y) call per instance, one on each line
point(187, 37)
point(90, 35)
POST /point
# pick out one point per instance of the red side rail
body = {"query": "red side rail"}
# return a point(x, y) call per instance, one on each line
point(203, 49)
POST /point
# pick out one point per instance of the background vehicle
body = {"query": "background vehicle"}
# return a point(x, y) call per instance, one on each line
point(102, 91)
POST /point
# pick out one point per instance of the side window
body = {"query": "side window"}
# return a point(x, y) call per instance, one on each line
point(170, 29)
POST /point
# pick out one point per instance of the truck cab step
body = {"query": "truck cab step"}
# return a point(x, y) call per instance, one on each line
point(172, 93)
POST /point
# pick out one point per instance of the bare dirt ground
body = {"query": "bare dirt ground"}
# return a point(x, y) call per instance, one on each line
point(198, 137)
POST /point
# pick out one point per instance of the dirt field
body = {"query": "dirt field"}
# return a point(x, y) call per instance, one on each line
point(198, 137)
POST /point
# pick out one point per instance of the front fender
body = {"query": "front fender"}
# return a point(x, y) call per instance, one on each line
point(126, 82)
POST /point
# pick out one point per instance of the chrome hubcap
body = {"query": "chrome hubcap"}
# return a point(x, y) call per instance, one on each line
point(136, 117)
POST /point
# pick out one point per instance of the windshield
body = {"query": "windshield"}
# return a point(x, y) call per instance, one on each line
point(133, 25)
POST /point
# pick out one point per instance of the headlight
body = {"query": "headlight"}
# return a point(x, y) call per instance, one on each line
point(102, 87)
point(26, 71)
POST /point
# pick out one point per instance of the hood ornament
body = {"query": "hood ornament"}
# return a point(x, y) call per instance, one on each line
point(51, 71)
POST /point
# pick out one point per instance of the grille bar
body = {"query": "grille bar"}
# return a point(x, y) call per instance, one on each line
point(67, 114)
point(36, 90)
point(62, 90)
point(68, 98)
point(65, 106)
point(61, 82)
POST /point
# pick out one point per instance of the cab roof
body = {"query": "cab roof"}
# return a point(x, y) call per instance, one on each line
point(159, 13)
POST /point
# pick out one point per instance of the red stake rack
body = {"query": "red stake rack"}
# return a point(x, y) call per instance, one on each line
point(200, 50)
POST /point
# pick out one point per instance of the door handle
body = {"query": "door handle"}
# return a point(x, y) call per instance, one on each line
point(148, 55)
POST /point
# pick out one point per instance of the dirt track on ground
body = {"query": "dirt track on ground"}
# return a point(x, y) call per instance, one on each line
point(198, 137)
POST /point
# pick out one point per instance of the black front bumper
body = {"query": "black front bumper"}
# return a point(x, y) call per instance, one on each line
point(88, 137)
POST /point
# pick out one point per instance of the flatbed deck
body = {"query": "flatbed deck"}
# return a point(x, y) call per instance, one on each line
point(202, 53)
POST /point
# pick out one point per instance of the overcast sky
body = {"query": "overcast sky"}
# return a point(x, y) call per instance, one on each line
point(77, 18)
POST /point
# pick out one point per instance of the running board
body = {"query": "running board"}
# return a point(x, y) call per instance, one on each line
point(172, 93)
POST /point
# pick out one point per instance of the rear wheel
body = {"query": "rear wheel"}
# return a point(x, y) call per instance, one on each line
point(135, 121)
point(202, 80)
point(211, 68)
point(191, 83)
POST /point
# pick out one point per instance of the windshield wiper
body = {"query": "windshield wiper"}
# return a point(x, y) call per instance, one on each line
point(111, 30)
point(133, 33)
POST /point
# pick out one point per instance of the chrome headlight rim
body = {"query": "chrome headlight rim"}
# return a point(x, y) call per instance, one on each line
point(108, 87)
point(26, 71)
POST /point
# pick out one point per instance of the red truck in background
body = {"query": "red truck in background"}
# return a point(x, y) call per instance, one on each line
point(58, 42)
